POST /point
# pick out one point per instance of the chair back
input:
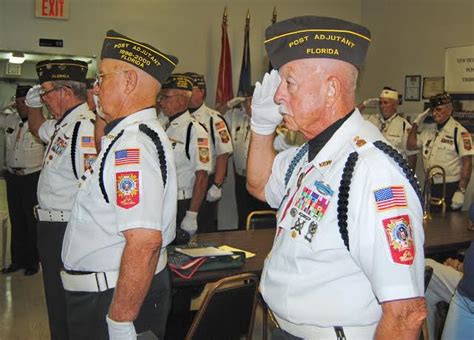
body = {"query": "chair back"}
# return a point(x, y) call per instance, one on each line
point(228, 310)
point(261, 219)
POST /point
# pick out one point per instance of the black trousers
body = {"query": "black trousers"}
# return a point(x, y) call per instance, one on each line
point(50, 242)
point(437, 191)
point(207, 216)
point(87, 311)
point(21, 195)
point(246, 203)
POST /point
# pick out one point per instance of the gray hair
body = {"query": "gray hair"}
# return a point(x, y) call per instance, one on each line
point(78, 88)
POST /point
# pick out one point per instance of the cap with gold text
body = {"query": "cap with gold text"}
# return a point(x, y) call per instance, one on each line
point(61, 69)
point(198, 79)
point(316, 37)
point(144, 56)
point(178, 81)
point(440, 99)
point(22, 90)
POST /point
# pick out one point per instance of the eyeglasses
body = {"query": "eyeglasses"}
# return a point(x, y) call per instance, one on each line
point(99, 77)
point(166, 97)
point(43, 93)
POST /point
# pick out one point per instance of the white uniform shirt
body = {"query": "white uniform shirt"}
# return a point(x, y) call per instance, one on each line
point(58, 185)
point(310, 277)
point(216, 128)
point(439, 148)
point(133, 181)
point(239, 123)
point(395, 130)
point(198, 151)
point(23, 150)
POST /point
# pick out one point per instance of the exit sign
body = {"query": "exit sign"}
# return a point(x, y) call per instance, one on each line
point(52, 9)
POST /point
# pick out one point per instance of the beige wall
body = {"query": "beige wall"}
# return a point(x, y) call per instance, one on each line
point(189, 29)
point(409, 38)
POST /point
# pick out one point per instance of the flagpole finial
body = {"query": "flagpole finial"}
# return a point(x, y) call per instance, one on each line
point(247, 18)
point(224, 16)
point(274, 17)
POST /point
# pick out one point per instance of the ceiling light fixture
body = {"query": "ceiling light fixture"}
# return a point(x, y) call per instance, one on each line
point(17, 58)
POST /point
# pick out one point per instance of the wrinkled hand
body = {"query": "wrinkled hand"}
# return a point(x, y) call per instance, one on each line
point(121, 330)
point(214, 193)
point(458, 200)
point(189, 222)
point(265, 113)
point(421, 117)
point(33, 98)
point(235, 101)
point(371, 102)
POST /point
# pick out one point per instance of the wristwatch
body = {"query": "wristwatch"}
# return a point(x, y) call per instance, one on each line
point(462, 190)
point(218, 185)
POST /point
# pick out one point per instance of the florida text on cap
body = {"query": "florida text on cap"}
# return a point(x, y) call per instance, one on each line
point(61, 69)
point(142, 55)
point(316, 37)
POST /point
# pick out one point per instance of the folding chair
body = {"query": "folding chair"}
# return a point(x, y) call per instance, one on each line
point(228, 310)
point(261, 219)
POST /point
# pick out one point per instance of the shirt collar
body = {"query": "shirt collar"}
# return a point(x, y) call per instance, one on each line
point(68, 117)
point(176, 116)
point(389, 120)
point(139, 116)
point(192, 110)
point(318, 142)
point(440, 127)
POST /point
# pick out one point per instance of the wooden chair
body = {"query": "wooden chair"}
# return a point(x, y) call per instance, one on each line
point(228, 309)
point(261, 219)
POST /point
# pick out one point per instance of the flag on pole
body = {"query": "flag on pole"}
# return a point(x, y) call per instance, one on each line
point(224, 91)
point(245, 69)
point(274, 19)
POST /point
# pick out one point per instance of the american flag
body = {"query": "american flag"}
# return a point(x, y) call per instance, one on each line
point(127, 156)
point(88, 142)
point(391, 197)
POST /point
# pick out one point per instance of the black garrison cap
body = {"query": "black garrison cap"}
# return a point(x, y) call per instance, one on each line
point(316, 37)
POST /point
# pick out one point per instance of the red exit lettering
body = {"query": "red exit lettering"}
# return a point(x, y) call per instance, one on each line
point(52, 8)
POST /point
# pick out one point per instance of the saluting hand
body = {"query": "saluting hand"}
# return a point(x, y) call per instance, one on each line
point(265, 112)
point(33, 98)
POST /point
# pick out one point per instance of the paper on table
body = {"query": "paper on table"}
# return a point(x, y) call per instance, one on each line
point(229, 248)
point(203, 251)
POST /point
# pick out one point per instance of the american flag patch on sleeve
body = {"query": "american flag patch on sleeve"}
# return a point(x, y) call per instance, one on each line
point(127, 156)
point(390, 197)
point(87, 142)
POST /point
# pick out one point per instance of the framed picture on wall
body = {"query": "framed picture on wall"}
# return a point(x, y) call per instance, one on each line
point(432, 86)
point(412, 88)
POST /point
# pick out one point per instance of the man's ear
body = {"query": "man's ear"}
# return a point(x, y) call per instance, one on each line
point(333, 90)
point(131, 78)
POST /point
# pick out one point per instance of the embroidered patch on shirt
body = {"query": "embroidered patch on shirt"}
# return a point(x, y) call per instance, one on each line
point(312, 203)
point(127, 156)
point(59, 146)
point(87, 142)
point(447, 141)
point(128, 189)
point(466, 139)
point(359, 141)
point(400, 239)
point(89, 159)
point(204, 154)
point(221, 128)
point(203, 142)
point(391, 197)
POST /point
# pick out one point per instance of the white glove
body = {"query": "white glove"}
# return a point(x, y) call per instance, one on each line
point(33, 98)
point(214, 193)
point(421, 117)
point(235, 101)
point(121, 330)
point(458, 200)
point(371, 102)
point(265, 113)
point(189, 222)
